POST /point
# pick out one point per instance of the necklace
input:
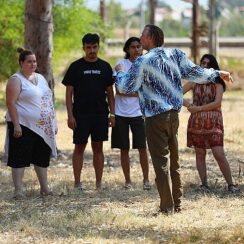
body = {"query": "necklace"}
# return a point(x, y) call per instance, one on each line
point(32, 78)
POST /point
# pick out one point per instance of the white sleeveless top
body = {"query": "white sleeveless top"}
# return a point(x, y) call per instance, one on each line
point(35, 109)
point(127, 106)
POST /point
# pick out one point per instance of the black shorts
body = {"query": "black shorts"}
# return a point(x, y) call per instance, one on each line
point(94, 125)
point(120, 133)
point(28, 149)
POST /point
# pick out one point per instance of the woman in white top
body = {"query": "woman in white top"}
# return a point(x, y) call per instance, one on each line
point(31, 123)
point(128, 115)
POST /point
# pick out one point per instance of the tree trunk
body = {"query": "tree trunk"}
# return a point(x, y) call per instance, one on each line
point(38, 35)
point(152, 7)
point(213, 29)
point(102, 10)
point(195, 31)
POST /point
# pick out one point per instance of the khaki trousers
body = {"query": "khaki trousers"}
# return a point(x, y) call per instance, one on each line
point(161, 133)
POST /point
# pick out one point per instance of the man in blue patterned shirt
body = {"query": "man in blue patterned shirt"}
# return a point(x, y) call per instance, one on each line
point(156, 76)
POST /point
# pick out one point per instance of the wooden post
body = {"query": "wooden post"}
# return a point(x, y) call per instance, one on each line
point(38, 35)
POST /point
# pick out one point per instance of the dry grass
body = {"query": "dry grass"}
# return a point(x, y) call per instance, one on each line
point(121, 216)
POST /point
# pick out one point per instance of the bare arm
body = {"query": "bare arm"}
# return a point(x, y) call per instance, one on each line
point(111, 102)
point(12, 93)
point(225, 75)
point(187, 87)
point(135, 94)
point(69, 107)
point(210, 106)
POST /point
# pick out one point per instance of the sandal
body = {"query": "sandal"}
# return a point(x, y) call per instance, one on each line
point(101, 187)
point(146, 185)
point(233, 188)
point(79, 187)
point(19, 195)
point(46, 193)
point(205, 188)
point(127, 186)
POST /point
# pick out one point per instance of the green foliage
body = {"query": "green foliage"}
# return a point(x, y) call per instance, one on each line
point(173, 28)
point(71, 21)
point(163, 4)
point(115, 14)
point(11, 35)
point(232, 26)
point(233, 3)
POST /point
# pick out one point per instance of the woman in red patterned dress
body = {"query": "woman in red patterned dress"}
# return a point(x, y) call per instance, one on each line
point(205, 126)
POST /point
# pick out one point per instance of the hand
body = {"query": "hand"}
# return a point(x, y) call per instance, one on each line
point(71, 123)
point(225, 76)
point(119, 67)
point(193, 109)
point(189, 105)
point(17, 131)
point(111, 121)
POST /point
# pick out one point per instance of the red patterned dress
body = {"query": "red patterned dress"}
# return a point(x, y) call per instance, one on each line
point(205, 128)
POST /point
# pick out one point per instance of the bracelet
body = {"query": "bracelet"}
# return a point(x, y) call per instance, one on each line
point(111, 115)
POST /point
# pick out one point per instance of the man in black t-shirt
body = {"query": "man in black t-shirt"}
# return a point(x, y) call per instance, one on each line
point(89, 101)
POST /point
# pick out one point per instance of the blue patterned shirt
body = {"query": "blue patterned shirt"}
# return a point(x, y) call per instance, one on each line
point(157, 75)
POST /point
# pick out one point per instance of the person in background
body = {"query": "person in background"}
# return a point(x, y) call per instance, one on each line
point(31, 123)
point(88, 83)
point(156, 76)
point(205, 126)
point(128, 116)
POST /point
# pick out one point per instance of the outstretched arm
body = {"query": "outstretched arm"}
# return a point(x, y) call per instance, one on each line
point(225, 75)
point(197, 74)
point(131, 81)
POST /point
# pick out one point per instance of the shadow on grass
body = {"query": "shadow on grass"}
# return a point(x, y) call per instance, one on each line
point(115, 213)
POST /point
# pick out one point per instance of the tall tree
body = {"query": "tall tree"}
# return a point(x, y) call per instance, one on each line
point(195, 49)
point(39, 34)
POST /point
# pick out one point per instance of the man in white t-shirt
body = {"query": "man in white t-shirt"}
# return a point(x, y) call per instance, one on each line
point(128, 116)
